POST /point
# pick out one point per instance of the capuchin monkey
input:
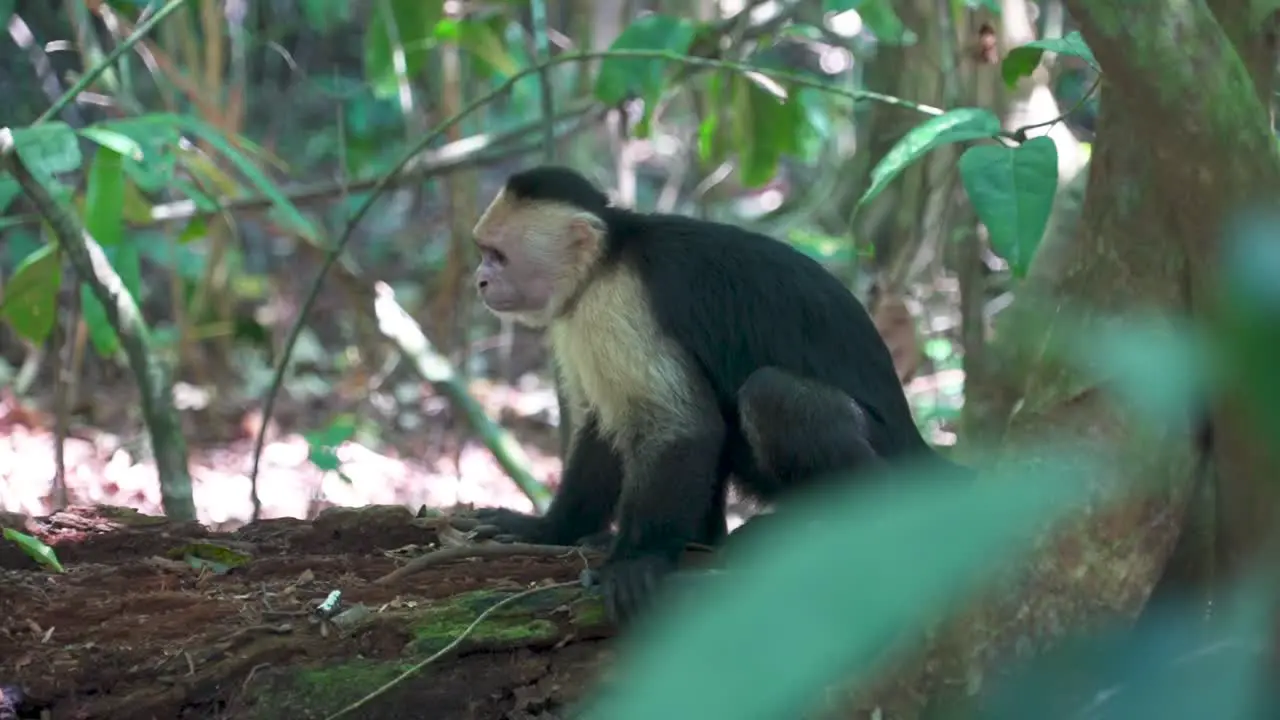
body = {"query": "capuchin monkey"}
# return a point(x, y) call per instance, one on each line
point(689, 352)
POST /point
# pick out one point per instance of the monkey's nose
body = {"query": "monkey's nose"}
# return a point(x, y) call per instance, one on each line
point(482, 284)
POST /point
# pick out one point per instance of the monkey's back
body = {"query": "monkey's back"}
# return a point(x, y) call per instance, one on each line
point(737, 300)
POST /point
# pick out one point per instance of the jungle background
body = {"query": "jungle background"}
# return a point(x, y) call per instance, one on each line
point(1040, 270)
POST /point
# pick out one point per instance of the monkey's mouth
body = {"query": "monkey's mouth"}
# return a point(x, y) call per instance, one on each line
point(499, 307)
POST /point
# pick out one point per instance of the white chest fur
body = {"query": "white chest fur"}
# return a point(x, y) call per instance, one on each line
point(615, 362)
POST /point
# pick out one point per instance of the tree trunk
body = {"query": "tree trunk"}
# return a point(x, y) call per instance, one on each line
point(1174, 157)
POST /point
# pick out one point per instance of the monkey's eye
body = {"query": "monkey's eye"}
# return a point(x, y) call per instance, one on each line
point(495, 256)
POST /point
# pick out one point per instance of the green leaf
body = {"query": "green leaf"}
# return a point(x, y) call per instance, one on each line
point(1022, 60)
point(885, 24)
point(959, 125)
point(412, 22)
point(104, 197)
point(121, 143)
point(38, 551)
point(48, 149)
point(104, 219)
point(124, 259)
point(290, 215)
point(482, 38)
point(340, 430)
point(992, 5)
point(18, 244)
point(179, 257)
point(30, 301)
point(324, 15)
point(323, 442)
point(766, 127)
point(1012, 190)
point(9, 191)
point(6, 9)
point(620, 76)
point(157, 136)
point(903, 551)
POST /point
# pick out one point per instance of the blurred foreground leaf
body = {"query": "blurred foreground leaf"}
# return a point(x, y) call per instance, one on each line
point(1175, 665)
point(823, 602)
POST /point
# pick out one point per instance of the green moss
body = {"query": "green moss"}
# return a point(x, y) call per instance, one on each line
point(519, 621)
point(320, 691)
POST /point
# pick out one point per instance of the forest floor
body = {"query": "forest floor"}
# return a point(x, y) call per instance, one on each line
point(153, 619)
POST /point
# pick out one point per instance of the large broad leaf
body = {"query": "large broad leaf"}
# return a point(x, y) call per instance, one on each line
point(411, 23)
point(621, 76)
point(1012, 191)
point(959, 125)
point(824, 602)
point(767, 126)
point(30, 301)
point(1022, 60)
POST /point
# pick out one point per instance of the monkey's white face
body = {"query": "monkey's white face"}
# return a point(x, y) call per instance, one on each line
point(513, 283)
point(532, 257)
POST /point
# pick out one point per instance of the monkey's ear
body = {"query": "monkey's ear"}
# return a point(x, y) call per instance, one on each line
point(585, 232)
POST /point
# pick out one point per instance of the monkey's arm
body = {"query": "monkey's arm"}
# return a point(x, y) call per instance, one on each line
point(671, 477)
point(584, 504)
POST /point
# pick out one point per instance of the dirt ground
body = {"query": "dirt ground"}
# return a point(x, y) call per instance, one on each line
point(153, 619)
point(159, 620)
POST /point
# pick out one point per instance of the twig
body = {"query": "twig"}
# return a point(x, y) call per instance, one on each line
point(466, 552)
point(448, 648)
point(96, 71)
point(154, 385)
point(332, 257)
point(1020, 134)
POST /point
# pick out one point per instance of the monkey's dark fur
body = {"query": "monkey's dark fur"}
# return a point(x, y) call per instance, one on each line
point(741, 357)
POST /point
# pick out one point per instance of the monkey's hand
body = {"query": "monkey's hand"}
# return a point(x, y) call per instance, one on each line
point(504, 525)
point(629, 585)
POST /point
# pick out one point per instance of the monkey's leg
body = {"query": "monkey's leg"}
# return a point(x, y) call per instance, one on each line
point(794, 433)
point(585, 503)
point(797, 430)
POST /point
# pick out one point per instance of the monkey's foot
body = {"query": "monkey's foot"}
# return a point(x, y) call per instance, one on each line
point(629, 585)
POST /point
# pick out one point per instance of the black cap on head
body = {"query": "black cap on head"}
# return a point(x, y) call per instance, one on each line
point(557, 184)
